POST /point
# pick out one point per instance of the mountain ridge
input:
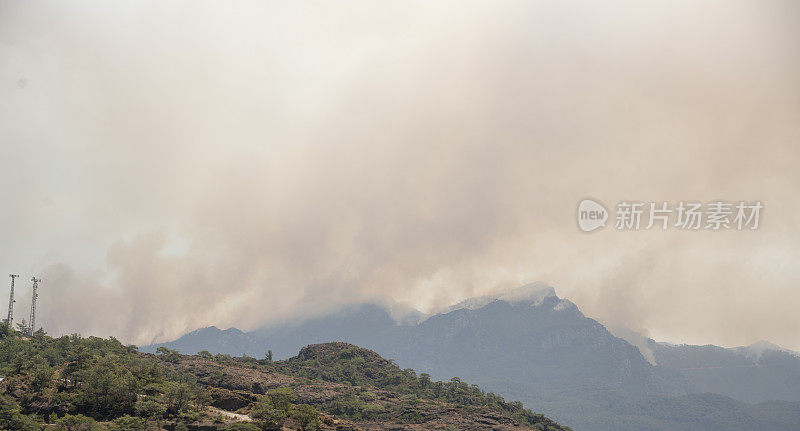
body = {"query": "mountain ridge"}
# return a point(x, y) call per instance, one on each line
point(529, 344)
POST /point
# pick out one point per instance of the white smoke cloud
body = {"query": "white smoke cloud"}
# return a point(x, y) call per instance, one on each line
point(175, 166)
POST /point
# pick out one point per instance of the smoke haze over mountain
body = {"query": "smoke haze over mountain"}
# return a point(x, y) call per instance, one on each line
point(173, 166)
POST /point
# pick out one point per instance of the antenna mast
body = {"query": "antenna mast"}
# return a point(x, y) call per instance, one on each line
point(33, 304)
point(11, 302)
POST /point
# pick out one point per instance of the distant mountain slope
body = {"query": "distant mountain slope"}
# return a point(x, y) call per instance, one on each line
point(212, 339)
point(360, 324)
point(755, 373)
point(547, 342)
point(701, 412)
point(529, 344)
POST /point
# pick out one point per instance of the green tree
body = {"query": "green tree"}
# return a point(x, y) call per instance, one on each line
point(42, 375)
point(77, 423)
point(5, 329)
point(169, 355)
point(23, 327)
point(273, 408)
point(306, 416)
point(179, 397)
point(127, 423)
point(265, 412)
point(150, 409)
point(282, 398)
point(108, 389)
point(78, 359)
point(11, 417)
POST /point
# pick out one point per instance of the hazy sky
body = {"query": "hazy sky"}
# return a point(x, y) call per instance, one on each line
point(174, 165)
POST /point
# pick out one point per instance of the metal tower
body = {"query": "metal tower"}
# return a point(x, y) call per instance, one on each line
point(11, 302)
point(33, 304)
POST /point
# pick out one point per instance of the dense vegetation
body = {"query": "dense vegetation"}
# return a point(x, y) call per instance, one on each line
point(94, 384)
point(89, 384)
point(75, 382)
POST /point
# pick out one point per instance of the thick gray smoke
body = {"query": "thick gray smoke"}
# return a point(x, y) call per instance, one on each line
point(170, 166)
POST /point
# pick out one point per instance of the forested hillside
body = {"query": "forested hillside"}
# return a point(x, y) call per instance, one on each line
point(91, 384)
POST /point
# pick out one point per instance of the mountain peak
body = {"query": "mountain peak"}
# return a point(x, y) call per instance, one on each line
point(764, 345)
point(204, 331)
point(533, 293)
point(215, 330)
point(756, 350)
